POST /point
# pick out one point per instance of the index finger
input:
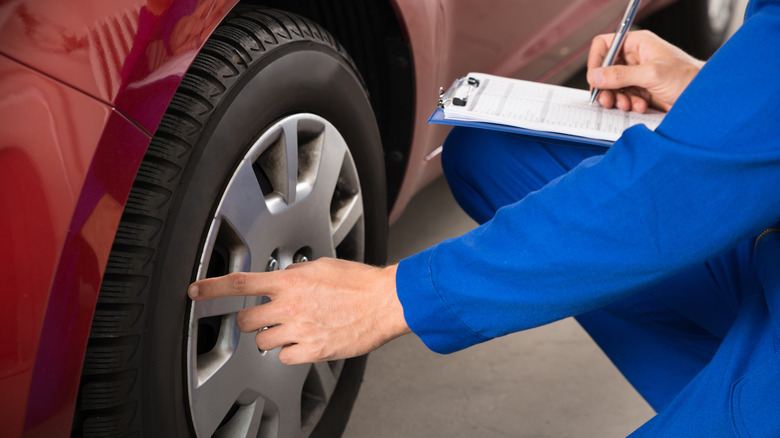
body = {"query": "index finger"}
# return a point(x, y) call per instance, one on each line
point(598, 49)
point(237, 284)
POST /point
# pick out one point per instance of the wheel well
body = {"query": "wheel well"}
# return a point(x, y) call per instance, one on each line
point(371, 34)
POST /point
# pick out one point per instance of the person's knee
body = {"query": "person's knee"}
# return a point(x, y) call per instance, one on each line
point(467, 156)
point(457, 148)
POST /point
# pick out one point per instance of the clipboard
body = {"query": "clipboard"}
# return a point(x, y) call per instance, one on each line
point(437, 118)
point(551, 113)
point(459, 92)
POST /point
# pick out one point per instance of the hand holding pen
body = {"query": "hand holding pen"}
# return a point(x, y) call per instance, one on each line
point(617, 41)
point(650, 73)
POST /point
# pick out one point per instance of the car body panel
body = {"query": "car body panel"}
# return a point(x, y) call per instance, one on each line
point(463, 36)
point(63, 195)
point(129, 53)
point(84, 84)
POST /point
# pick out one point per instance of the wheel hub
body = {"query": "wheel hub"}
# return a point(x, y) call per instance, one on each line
point(294, 197)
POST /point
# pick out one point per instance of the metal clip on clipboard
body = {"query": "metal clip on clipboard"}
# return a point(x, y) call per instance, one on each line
point(459, 92)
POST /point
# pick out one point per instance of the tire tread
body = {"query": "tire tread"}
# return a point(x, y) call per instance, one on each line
point(110, 393)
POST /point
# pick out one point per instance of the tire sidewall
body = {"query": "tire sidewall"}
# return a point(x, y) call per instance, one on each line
point(294, 78)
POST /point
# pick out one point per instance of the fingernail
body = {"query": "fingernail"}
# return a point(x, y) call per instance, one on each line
point(193, 291)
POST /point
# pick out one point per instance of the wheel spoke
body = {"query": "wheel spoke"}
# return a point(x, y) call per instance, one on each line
point(330, 166)
point(346, 218)
point(243, 205)
point(281, 387)
point(217, 307)
point(326, 379)
point(214, 396)
point(326, 197)
point(246, 421)
point(280, 384)
point(290, 138)
point(264, 374)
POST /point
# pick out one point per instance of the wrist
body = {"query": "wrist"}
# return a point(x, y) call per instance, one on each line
point(394, 318)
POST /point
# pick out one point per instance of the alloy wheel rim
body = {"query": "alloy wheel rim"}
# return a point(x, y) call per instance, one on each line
point(295, 196)
point(719, 14)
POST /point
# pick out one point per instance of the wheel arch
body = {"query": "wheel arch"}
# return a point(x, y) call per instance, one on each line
point(373, 34)
point(133, 89)
point(138, 99)
point(291, 87)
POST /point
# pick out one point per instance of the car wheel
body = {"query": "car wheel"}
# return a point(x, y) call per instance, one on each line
point(269, 154)
point(697, 26)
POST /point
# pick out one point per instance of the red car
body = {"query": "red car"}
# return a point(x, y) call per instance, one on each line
point(146, 144)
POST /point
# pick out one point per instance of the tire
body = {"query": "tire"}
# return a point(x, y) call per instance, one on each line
point(697, 26)
point(269, 154)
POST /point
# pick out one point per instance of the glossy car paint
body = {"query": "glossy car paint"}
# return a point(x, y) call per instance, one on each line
point(128, 53)
point(62, 194)
point(83, 85)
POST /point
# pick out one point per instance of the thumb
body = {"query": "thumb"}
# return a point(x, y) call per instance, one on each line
point(618, 76)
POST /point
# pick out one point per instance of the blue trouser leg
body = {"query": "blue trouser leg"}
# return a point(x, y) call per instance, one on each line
point(660, 338)
point(487, 170)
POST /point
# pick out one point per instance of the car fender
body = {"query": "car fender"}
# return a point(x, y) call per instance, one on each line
point(88, 84)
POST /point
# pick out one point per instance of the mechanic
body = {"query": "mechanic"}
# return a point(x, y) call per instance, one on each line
point(663, 247)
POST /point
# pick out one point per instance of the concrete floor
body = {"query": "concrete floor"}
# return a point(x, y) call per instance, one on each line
point(548, 382)
point(552, 381)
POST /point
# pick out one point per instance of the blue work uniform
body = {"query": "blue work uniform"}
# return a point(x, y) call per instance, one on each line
point(662, 247)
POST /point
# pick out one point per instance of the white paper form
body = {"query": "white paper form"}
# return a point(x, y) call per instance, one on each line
point(545, 107)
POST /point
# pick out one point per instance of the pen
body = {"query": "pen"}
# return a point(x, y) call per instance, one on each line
point(433, 154)
point(617, 43)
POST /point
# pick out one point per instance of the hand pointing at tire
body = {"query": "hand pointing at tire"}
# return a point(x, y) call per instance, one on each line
point(323, 310)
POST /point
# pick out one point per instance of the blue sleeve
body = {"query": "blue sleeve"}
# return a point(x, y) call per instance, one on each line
point(653, 205)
